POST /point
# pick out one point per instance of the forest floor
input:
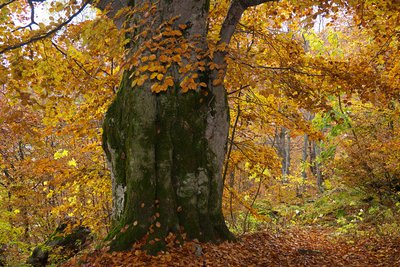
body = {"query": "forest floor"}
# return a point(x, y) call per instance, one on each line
point(305, 246)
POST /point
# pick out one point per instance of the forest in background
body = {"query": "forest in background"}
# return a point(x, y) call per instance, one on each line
point(313, 92)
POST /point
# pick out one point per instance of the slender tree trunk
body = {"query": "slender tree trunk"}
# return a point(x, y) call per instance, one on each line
point(231, 185)
point(287, 153)
point(166, 150)
point(317, 167)
point(304, 168)
point(283, 147)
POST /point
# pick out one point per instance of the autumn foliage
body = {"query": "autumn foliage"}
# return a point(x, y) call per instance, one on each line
point(313, 91)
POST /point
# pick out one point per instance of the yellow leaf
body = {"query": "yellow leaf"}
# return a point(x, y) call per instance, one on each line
point(217, 82)
point(142, 79)
point(155, 88)
point(72, 163)
point(202, 84)
point(164, 58)
point(153, 68)
point(160, 76)
point(169, 81)
point(177, 32)
point(59, 7)
point(143, 68)
point(163, 87)
point(153, 75)
point(50, 194)
point(176, 58)
point(144, 59)
point(60, 154)
point(152, 57)
point(184, 87)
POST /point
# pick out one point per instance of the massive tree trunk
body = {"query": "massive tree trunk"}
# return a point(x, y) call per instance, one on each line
point(166, 150)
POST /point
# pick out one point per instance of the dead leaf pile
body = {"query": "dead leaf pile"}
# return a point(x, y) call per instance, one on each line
point(293, 247)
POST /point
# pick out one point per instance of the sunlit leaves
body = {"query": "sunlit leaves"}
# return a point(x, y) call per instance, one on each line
point(54, 94)
point(60, 154)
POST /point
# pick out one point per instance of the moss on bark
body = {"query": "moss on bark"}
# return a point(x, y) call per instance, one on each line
point(158, 152)
point(166, 175)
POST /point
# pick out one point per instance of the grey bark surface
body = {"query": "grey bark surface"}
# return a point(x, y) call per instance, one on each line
point(166, 151)
point(317, 166)
point(303, 161)
point(282, 145)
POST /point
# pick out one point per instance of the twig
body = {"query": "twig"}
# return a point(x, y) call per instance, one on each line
point(33, 22)
point(45, 35)
point(252, 203)
point(238, 90)
point(76, 61)
point(7, 3)
point(231, 143)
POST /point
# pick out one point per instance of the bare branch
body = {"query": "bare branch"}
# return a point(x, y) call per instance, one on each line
point(291, 69)
point(7, 3)
point(231, 143)
point(44, 35)
point(240, 89)
point(33, 22)
point(250, 3)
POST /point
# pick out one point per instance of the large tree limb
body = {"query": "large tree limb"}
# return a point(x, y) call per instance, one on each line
point(111, 8)
point(234, 15)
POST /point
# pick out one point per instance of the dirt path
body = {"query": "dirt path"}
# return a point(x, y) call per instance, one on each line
point(294, 247)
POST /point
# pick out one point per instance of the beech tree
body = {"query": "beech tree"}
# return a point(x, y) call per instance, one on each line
point(166, 145)
point(165, 135)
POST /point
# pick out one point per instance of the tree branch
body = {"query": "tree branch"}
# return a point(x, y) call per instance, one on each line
point(250, 3)
point(240, 89)
point(33, 22)
point(292, 69)
point(7, 3)
point(76, 61)
point(111, 8)
point(44, 35)
point(231, 143)
point(233, 17)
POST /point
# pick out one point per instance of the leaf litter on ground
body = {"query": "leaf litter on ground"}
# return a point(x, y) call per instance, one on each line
point(296, 246)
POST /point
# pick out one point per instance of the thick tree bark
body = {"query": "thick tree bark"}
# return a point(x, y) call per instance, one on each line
point(166, 151)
